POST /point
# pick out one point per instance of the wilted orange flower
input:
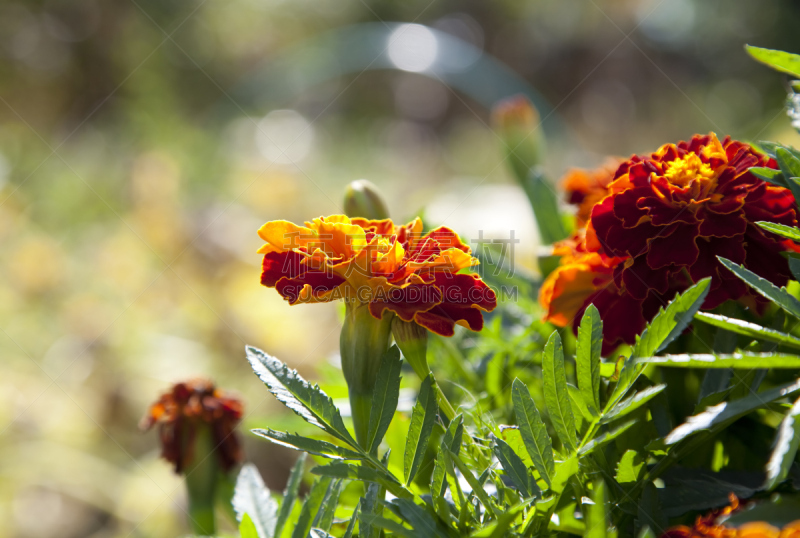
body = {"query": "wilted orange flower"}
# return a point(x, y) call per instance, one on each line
point(374, 262)
point(585, 188)
point(187, 407)
point(663, 221)
point(711, 526)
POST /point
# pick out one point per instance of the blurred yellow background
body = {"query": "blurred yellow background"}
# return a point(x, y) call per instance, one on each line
point(143, 142)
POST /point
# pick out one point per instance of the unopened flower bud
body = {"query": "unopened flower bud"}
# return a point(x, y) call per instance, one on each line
point(362, 199)
point(517, 122)
point(412, 339)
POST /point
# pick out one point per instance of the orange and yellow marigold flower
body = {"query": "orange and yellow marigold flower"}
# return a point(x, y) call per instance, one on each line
point(396, 268)
point(661, 223)
point(187, 407)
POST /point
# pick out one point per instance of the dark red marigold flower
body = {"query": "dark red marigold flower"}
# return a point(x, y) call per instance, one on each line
point(674, 212)
point(188, 407)
point(661, 223)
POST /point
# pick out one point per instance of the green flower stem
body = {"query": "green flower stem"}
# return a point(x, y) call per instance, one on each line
point(362, 344)
point(201, 481)
point(413, 342)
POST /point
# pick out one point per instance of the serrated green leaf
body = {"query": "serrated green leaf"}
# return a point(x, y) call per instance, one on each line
point(556, 393)
point(597, 516)
point(251, 497)
point(785, 62)
point(748, 329)
point(351, 525)
point(779, 296)
point(384, 397)
point(477, 487)
point(788, 162)
point(311, 507)
point(371, 504)
point(419, 433)
point(421, 521)
point(306, 400)
point(587, 358)
point(789, 232)
point(324, 520)
point(794, 267)
point(515, 469)
point(579, 408)
point(387, 524)
point(667, 324)
point(720, 414)
point(306, 444)
point(787, 441)
point(632, 403)
point(247, 529)
point(533, 430)
point(290, 494)
point(351, 471)
point(671, 321)
point(740, 359)
point(769, 175)
point(630, 467)
point(451, 442)
point(605, 438)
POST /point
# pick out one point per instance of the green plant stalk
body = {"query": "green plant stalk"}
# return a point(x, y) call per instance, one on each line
point(413, 342)
point(201, 482)
point(362, 343)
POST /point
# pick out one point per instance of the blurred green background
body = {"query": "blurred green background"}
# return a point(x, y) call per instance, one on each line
point(142, 143)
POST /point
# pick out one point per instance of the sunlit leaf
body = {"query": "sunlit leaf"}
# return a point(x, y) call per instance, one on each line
point(515, 469)
point(360, 472)
point(308, 401)
point(587, 358)
point(328, 509)
point(785, 451)
point(789, 232)
point(311, 507)
point(384, 397)
point(769, 175)
point(785, 62)
point(534, 432)
point(306, 444)
point(419, 433)
point(779, 296)
point(252, 497)
point(740, 359)
point(630, 467)
point(605, 438)
point(290, 494)
point(748, 329)
point(713, 417)
point(247, 529)
point(632, 403)
point(597, 516)
point(556, 393)
point(421, 521)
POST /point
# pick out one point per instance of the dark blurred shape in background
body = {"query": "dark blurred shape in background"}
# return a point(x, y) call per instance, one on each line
point(143, 142)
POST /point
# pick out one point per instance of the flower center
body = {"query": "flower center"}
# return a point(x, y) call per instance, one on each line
point(683, 171)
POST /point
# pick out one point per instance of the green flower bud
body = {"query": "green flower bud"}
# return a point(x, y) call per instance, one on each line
point(362, 199)
point(517, 122)
point(412, 339)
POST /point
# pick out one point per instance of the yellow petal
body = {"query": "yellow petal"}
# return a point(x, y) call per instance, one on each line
point(282, 235)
